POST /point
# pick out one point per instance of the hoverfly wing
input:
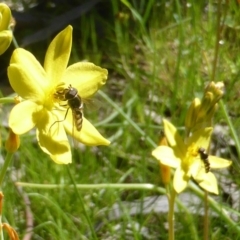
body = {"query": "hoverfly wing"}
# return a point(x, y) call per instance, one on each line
point(92, 103)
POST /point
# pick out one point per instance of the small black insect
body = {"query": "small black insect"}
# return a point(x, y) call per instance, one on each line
point(74, 102)
point(204, 157)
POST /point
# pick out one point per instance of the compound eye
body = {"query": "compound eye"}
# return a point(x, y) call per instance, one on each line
point(71, 93)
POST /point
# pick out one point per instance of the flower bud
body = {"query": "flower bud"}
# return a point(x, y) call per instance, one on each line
point(5, 33)
point(206, 106)
point(212, 94)
point(13, 142)
point(217, 89)
point(192, 114)
point(5, 16)
point(5, 40)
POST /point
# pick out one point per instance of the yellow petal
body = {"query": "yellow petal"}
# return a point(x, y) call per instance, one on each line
point(174, 139)
point(57, 55)
point(201, 138)
point(86, 77)
point(27, 77)
point(216, 162)
point(63, 158)
point(59, 151)
point(5, 12)
point(180, 180)
point(23, 117)
point(196, 167)
point(5, 40)
point(166, 156)
point(88, 135)
point(52, 139)
point(209, 183)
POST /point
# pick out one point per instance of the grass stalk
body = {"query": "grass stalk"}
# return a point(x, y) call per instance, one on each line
point(94, 236)
point(5, 166)
point(231, 128)
point(171, 219)
point(218, 34)
point(123, 186)
point(218, 208)
point(206, 217)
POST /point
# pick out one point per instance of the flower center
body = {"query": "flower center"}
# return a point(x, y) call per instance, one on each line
point(191, 154)
point(49, 100)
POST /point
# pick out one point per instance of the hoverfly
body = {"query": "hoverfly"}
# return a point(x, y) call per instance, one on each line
point(204, 158)
point(74, 102)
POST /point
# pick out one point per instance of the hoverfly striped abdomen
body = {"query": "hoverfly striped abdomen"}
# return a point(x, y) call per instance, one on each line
point(204, 158)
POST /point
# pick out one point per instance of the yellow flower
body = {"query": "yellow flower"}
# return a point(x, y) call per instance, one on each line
point(5, 34)
point(38, 86)
point(185, 157)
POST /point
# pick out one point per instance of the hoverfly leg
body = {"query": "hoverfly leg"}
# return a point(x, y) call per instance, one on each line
point(59, 120)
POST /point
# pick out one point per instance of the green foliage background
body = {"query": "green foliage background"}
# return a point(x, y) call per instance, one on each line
point(160, 55)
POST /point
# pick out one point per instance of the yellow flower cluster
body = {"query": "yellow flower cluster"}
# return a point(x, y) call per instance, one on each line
point(188, 156)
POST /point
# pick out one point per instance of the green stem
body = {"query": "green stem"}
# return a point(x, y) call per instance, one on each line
point(231, 127)
point(125, 186)
point(7, 100)
point(190, 219)
point(5, 167)
point(171, 200)
point(179, 57)
point(94, 236)
point(206, 217)
point(2, 175)
point(216, 50)
point(15, 43)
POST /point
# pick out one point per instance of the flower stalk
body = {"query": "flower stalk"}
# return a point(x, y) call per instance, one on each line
point(170, 192)
point(171, 218)
point(206, 217)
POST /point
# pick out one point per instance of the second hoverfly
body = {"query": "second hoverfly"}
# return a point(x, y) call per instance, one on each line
point(204, 158)
point(74, 102)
